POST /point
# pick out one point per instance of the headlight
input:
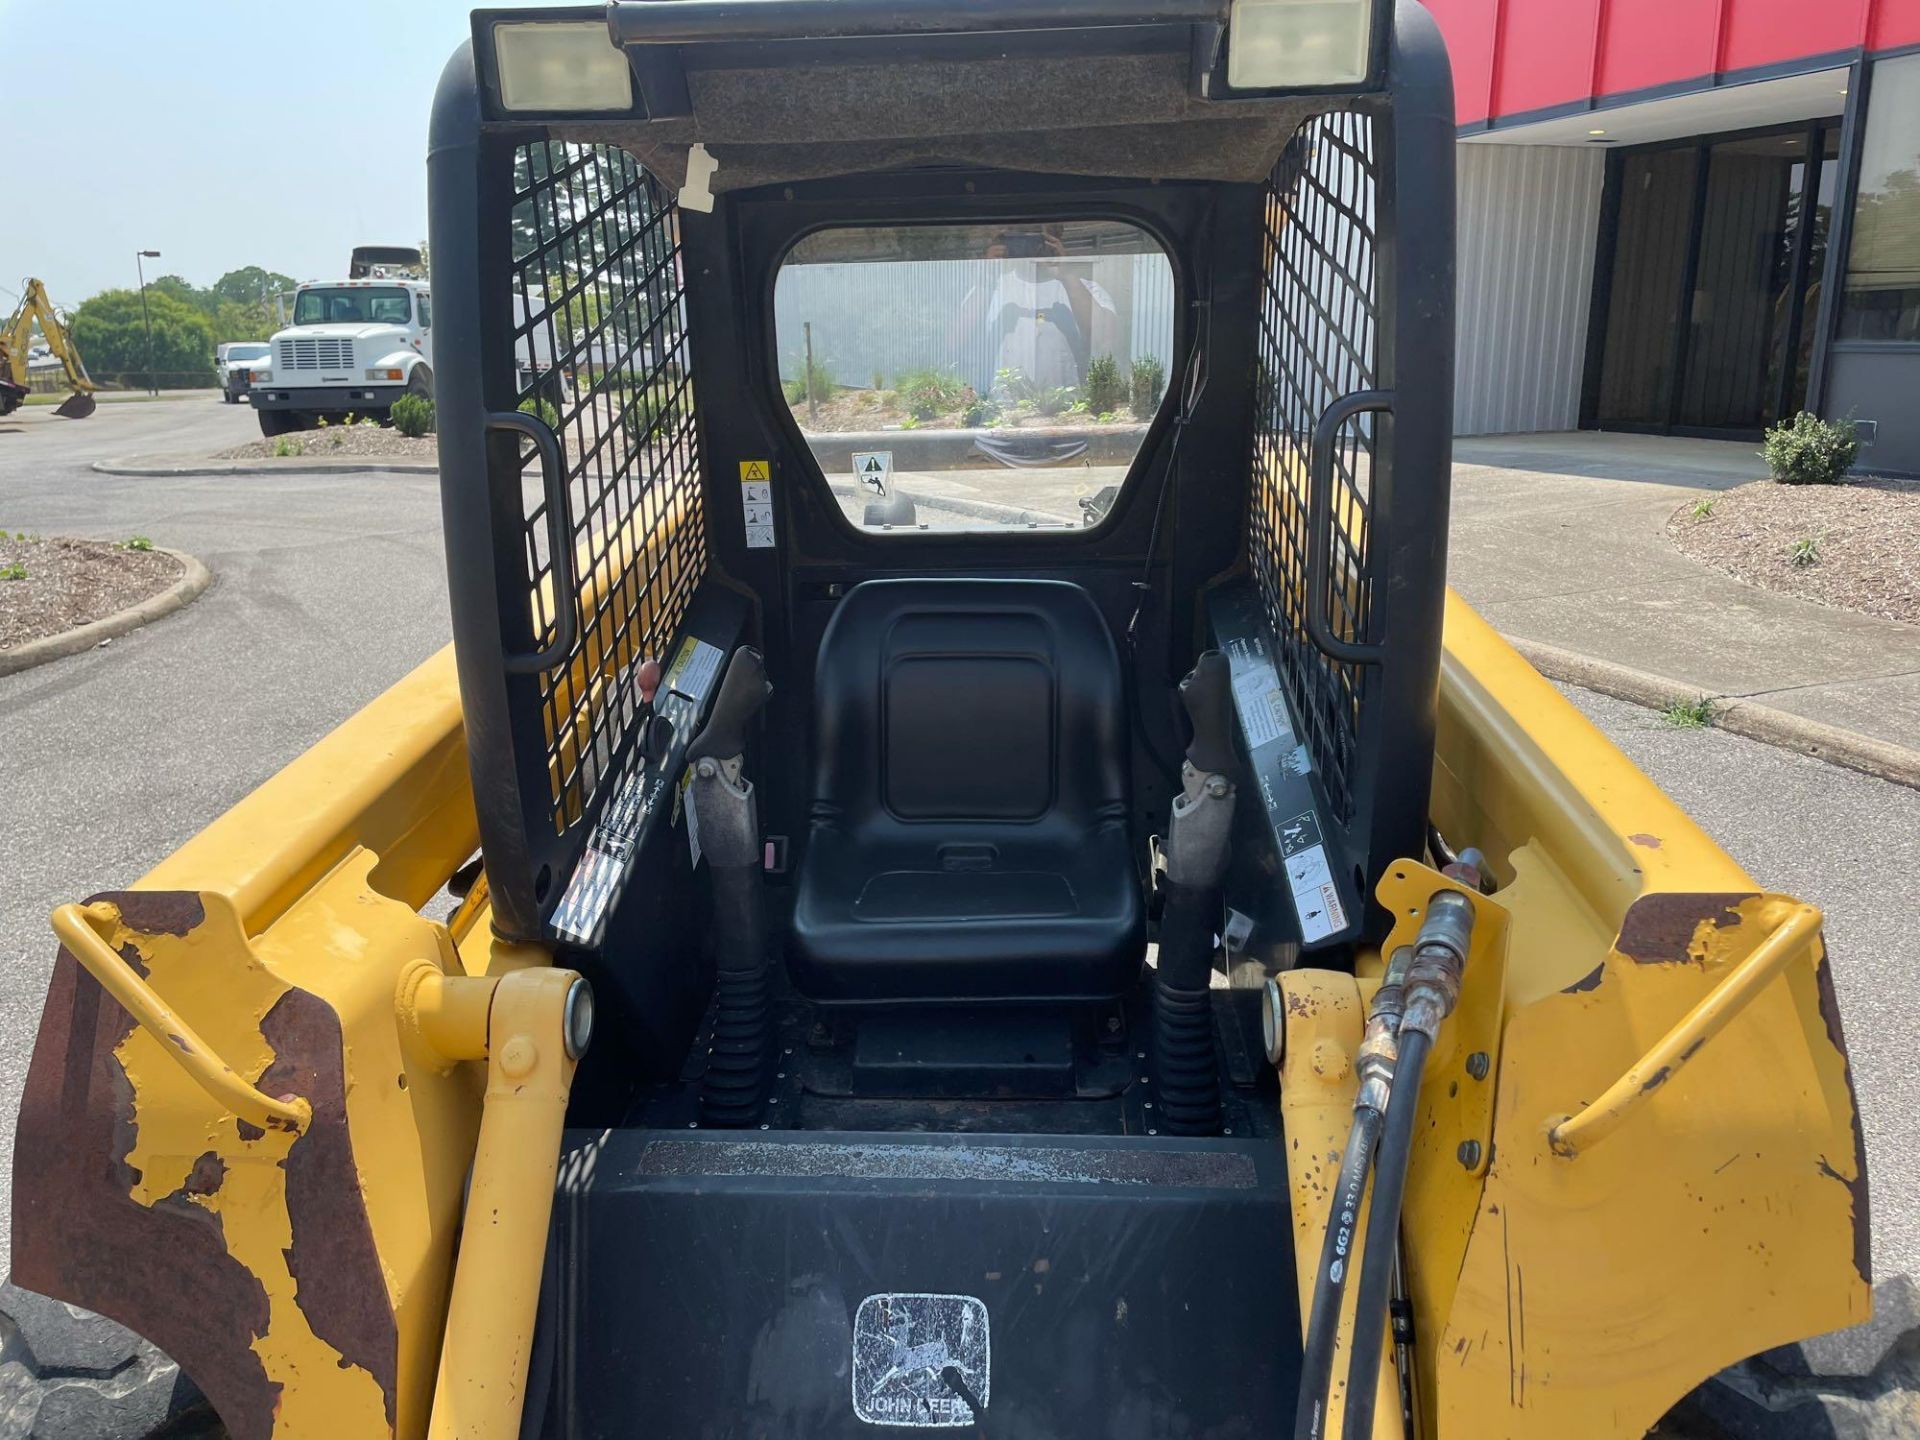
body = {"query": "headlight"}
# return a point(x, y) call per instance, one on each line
point(260, 377)
point(567, 65)
point(1290, 44)
point(386, 374)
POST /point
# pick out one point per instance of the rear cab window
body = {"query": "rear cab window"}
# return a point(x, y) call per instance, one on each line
point(986, 377)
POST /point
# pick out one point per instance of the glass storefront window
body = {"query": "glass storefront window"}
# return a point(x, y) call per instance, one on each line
point(1882, 300)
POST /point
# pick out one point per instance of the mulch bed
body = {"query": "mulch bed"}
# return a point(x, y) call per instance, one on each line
point(70, 583)
point(1866, 533)
point(338, 442)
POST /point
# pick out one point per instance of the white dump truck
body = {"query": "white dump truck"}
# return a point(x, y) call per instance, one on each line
point(355, 346)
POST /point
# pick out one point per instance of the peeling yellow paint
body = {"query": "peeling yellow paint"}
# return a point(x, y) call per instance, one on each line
point(176, 1124)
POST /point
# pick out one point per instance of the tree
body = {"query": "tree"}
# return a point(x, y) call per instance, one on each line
point(251, 285)
point(180, 289)
point(243, 322)
point(112, 334)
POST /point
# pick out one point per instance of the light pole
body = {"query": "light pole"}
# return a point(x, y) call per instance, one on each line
point(141, 270)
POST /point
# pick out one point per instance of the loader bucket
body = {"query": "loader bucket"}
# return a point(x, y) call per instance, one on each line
point(77, 406)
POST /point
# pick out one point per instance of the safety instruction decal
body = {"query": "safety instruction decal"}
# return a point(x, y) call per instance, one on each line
point(1282, 766)
point(756, 503)
point(1316, 899)
point(873, 469)
point(601, 874)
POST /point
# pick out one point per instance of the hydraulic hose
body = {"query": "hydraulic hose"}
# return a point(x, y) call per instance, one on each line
point(1330, 1283)
point(1375, 1063)
point(1432, 990)
point(1383, 1227)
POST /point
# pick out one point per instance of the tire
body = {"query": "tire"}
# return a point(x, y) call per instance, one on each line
point(420, 382)
point(67, 1372)
point(283, 422)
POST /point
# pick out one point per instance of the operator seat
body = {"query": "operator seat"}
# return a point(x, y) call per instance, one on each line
point(968, 835)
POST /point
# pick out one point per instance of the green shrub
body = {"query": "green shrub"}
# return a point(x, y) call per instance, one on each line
point(824, 385)
point(140, 543)
point(979, 412)
point(1106, 390)
point(1149, 381)
point(1807, 450)
point(413, 415)
point(930, 393)
point(16, 571)
point(286, 445)
point(540, 409)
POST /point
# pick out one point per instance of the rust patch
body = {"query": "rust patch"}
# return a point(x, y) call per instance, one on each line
point(247, 1131)
point(1590, 981)
point(1830, 1017)
point(1659, 929)
point(1647, 842)
point(78, 1234)
point(209, 1173)
point(338, 1282)
point(1656, 1080)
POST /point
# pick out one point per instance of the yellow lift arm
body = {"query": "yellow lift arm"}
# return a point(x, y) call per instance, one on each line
point(14, 337)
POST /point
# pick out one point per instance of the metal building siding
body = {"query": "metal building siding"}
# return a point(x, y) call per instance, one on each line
point(1529, 217)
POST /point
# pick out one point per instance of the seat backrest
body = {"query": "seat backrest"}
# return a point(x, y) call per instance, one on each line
point(997, 702)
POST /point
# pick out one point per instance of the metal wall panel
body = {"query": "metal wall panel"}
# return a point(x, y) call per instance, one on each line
point(1529, 217)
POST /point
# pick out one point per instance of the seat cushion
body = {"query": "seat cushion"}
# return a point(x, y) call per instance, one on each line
point(968, 837)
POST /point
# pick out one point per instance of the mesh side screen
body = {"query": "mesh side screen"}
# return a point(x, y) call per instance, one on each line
point(1318, 343)
point(600, 353)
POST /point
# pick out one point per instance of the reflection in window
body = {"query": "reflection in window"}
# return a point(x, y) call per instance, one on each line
point(1883, 267)
point(989, 377)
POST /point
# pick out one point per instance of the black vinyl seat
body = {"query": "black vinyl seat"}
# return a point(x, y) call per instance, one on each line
point(968, 838)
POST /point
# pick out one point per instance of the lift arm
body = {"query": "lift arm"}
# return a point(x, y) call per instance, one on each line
point(14, 343)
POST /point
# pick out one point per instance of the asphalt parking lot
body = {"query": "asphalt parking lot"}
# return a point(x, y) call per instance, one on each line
point(329, 588)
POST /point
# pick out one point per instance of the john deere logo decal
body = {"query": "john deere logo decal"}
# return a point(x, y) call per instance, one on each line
point(922, 1360)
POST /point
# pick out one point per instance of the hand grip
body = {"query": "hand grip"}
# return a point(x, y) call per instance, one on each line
point(742, 694)
point(564, 597)
point(76, 927)
point(1320, 522)
point(1208, 695)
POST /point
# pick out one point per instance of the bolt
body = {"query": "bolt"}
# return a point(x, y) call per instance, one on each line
point(1478, 1064)
point(1218, 787)
point(706, 770)
point(1469, 1154)
point(1113, 1024)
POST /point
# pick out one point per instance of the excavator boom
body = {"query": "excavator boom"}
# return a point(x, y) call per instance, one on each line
point(36, 307)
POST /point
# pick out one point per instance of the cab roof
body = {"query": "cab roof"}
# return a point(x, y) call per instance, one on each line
point(784, 90)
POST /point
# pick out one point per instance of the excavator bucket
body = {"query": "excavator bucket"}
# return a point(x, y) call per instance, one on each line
point(77, 406)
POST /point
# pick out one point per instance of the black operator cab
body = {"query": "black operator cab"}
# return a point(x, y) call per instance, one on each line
point(946, 510)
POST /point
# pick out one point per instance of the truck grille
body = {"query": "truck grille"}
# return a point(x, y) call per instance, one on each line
point(316, 354)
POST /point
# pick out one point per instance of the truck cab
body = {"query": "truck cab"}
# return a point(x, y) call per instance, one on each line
point(354, 347)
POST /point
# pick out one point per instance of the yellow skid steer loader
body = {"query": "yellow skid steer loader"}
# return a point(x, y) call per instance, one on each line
point(962, 870)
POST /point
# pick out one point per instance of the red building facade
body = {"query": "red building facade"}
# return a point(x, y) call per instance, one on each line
point(1690, 216)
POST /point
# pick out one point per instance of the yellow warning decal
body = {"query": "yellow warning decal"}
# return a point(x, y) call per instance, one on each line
point(754, 470)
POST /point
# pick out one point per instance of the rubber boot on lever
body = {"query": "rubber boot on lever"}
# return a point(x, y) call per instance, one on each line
point(724, 807)
point(1196, 851)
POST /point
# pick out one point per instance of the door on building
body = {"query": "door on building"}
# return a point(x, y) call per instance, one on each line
point(1708, 282)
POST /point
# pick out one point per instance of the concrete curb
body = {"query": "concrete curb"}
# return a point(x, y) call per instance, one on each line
point(161, 469)
point(193, 581)
point(1881, 759)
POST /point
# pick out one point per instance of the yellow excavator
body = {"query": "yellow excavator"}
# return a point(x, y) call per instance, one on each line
point(35, 306)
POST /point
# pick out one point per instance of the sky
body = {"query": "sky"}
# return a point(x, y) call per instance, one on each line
point(278, 133)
